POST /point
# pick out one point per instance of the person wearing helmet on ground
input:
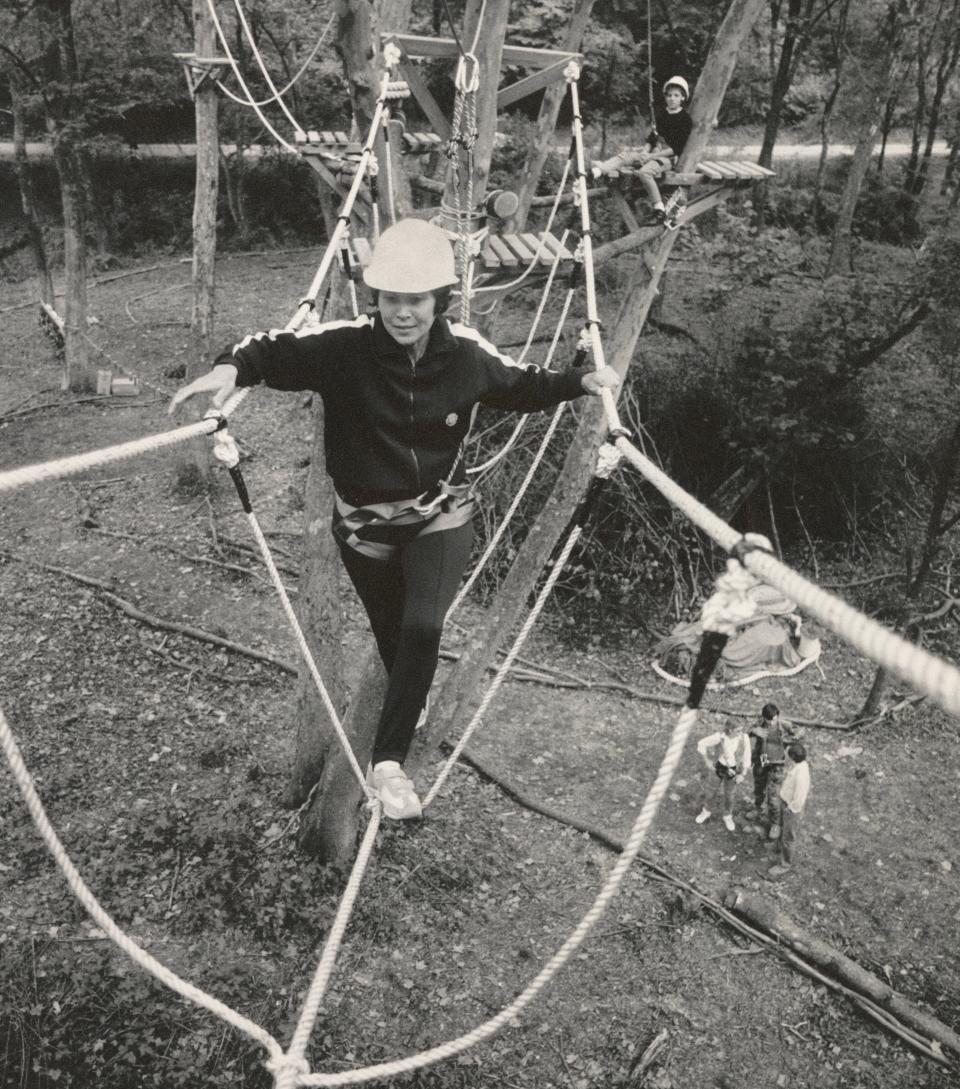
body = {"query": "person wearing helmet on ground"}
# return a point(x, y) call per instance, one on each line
point(399, 390)
point(665, 144)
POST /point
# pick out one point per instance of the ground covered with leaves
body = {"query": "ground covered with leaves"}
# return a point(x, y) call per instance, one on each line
point(162, 761)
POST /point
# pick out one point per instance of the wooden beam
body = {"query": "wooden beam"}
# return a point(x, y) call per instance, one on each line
point(622, 205)
point(416, 45)
point(530, 84)
point(330, 180)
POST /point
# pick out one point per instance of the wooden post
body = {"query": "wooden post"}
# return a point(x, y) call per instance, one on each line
point(547, 119)
point(206, 105)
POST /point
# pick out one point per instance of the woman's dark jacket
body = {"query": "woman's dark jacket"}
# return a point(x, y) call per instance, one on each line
point(392, 429)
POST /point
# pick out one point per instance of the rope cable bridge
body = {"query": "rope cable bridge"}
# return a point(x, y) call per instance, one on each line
point(751, 562)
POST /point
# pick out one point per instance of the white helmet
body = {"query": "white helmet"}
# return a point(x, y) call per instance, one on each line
point(681, 83)
point(412, 256)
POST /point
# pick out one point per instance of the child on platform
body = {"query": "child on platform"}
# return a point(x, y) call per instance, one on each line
point(664, 146)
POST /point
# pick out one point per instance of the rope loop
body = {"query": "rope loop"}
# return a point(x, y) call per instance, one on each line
point(216, 414)
point(462, 83)
point(618, 433)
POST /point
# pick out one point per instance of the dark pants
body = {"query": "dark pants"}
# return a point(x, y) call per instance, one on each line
point(406, 598)
point(788, 836)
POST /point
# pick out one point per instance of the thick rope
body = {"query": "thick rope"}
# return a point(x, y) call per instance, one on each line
point(94, 459)
point(938, 679)
point(311, 1005)
point(102, 919)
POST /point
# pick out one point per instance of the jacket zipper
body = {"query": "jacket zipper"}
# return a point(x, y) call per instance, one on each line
point(413, 452)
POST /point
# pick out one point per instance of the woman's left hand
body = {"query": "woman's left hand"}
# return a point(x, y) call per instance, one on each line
point(596, 382)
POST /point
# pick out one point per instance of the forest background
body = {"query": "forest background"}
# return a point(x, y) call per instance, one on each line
point(799, 375)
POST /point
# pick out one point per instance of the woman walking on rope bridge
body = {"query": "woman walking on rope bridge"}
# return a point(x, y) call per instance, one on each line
point(399, 390)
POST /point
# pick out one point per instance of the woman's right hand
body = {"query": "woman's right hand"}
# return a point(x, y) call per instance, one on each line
point(221, 382)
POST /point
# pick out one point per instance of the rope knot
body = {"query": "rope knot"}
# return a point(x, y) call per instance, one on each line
point(572, 72)
point(286, 1064)
point(225, 448)
point(608, 459)
point(391, 55)
point(731, 604)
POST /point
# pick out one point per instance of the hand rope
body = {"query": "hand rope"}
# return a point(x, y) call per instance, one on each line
point(303, 67)
point(99, 915)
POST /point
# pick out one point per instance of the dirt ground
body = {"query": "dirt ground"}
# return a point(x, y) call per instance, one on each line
point(162, 762)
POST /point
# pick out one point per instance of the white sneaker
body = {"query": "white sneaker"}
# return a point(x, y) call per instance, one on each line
point(702, 816)
point(395, 790)
point(728, 823)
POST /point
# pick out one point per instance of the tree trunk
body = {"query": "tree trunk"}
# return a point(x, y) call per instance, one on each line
point(547, 119)
point(781, 82)
point(763, 913)
point(458, 693)
point(27, 203)
point(78, 374)
point(841, 250)
point(206, 106)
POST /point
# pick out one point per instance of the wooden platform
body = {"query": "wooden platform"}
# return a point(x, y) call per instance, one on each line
point(733, 171)
point(338, 145)
point(508, 252)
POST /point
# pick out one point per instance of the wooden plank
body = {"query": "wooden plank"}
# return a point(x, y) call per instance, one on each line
point(515, 243)
point(532, 242)
point(330, 180)
point(754, 170)
point(530, 84)
point(342, 138)
point(503, 252)
point(556, 245)
point(723, 169)
point(416, 45)
point(670, 177)
point(488, 258)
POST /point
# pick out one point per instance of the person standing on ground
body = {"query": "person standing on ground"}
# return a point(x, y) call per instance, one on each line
point(399, 389)
point(769, 738)
point(725, 755)
point(794, 792)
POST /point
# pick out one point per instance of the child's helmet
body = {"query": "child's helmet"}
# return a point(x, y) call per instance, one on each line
point(681, 84)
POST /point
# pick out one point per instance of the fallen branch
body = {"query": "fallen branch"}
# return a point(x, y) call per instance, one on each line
point(883, 1017)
